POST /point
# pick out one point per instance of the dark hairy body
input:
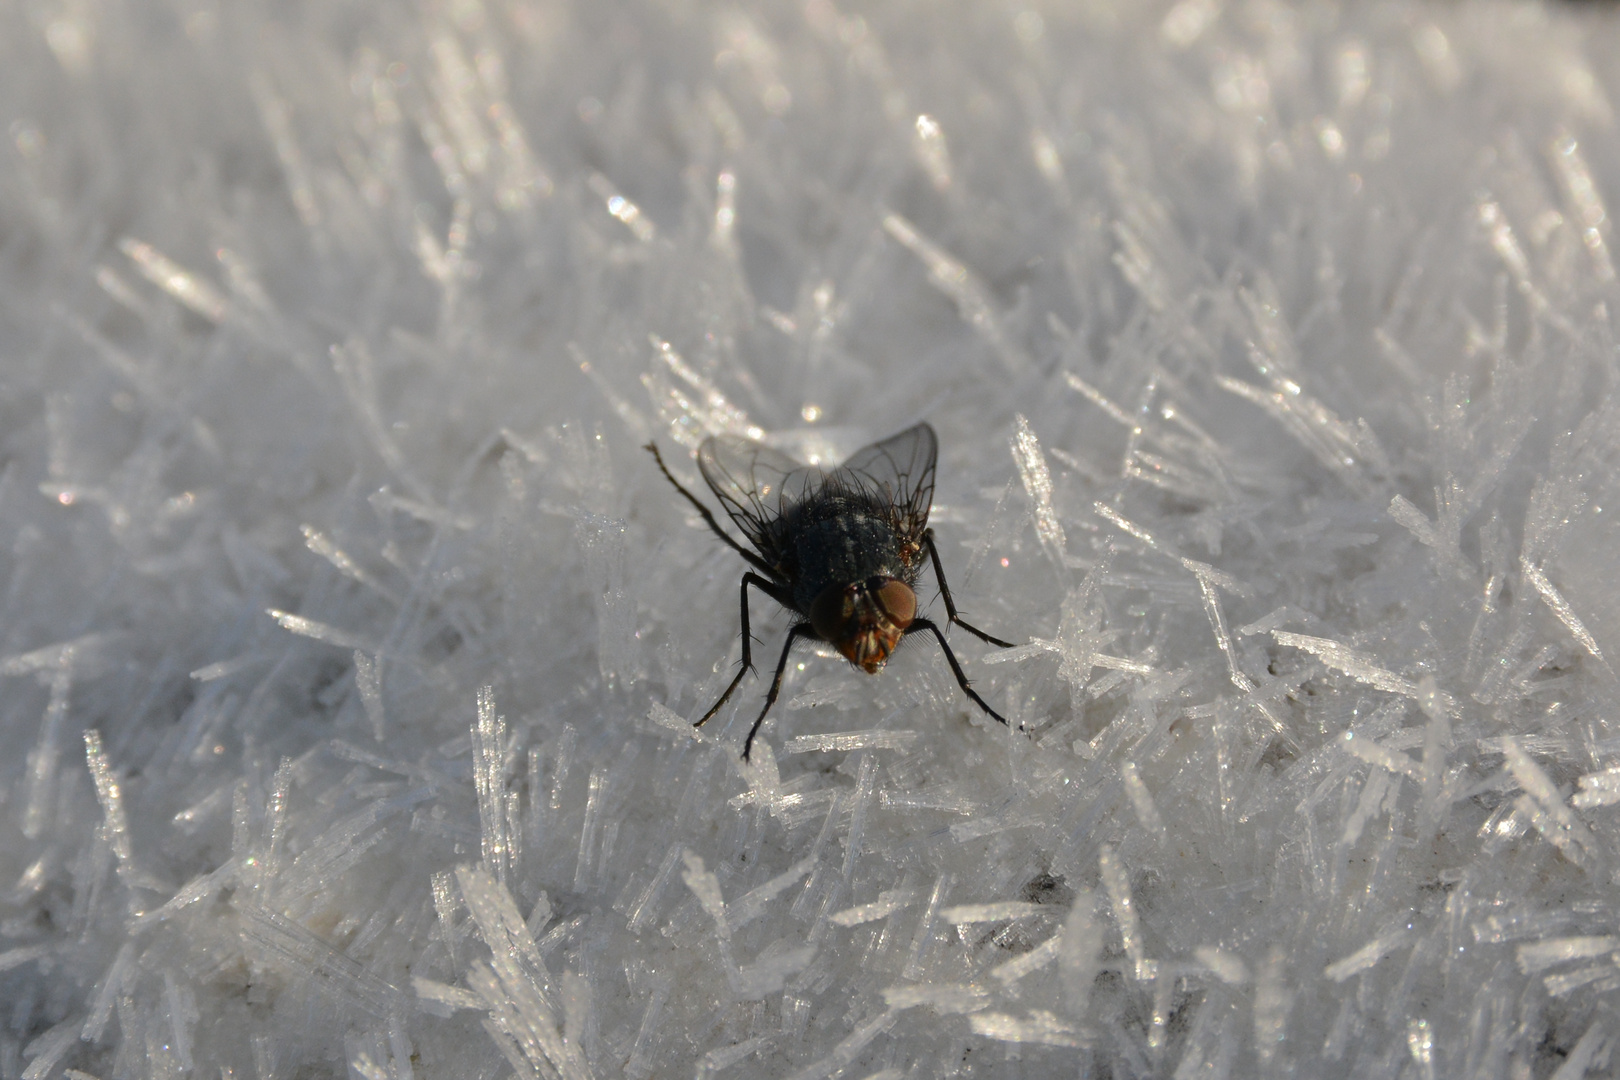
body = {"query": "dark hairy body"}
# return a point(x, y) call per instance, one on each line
point(838, 538)
point(843, 550)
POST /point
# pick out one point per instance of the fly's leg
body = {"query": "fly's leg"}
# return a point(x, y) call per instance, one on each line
point(747, 642)
point(956, 669)
point(950, 609)
point(708, 518)
point(799, 630)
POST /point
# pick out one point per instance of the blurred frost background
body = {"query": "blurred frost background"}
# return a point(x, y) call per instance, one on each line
point(348, 638)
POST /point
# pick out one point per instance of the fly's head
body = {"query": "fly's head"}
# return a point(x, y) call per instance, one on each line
point(865, 620)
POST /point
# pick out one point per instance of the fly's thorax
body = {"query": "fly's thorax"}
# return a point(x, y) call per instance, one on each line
point(836, 540)
point(865, 620)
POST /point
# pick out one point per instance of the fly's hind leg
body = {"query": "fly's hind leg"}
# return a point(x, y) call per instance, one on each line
point(747, 643)
point(950, 609)
point(799, 630)
point(956, 668)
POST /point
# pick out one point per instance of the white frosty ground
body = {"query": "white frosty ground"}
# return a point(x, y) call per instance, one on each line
point(348, 638)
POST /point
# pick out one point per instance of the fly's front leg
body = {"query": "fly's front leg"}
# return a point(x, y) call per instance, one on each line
point(956, 668)
point(950, 609)
point(798, 631)
point(770, 590)
point(708, 518)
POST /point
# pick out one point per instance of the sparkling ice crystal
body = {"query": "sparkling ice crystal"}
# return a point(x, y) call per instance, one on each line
point(351, 644)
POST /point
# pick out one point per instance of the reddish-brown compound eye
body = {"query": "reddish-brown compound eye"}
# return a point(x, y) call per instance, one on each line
point(899, 603)
point(832, 614)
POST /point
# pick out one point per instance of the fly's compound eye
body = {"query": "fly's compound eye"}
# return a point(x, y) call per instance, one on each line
point(833, 614)
point(899, 603)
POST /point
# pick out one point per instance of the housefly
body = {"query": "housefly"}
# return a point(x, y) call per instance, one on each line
point(841, 550)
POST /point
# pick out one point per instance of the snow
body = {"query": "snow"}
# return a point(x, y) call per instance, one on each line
point(350, 641)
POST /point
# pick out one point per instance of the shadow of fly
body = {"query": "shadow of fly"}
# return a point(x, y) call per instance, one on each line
point(841, 550)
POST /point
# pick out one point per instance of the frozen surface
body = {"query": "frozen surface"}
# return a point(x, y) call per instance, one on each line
point(349, 640)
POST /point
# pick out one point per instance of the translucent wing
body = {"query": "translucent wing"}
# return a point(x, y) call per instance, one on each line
point(898, 470)
point(754, 483)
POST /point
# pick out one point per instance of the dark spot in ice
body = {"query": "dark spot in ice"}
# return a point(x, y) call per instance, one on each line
point(1277, 754)
point(1047, 889)
point(1551, 1048)
point(326, 678)
point(445, 642)
point(1146, 890)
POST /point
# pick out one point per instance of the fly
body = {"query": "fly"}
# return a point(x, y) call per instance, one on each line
point(841, 550)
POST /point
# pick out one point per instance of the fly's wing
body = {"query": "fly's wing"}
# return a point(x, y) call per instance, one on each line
point(754, 483)
point(899, 471)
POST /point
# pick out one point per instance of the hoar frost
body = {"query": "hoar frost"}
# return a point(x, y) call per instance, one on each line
point(351, 646)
